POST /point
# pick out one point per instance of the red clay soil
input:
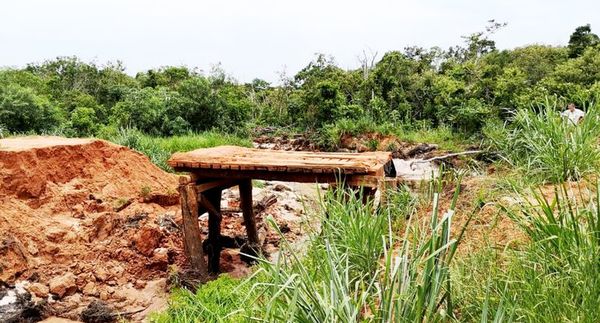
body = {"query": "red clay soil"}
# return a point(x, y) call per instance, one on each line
point(85, 218)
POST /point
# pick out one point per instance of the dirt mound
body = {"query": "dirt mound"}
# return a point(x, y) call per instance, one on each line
point(41, 168)
point(83, 220)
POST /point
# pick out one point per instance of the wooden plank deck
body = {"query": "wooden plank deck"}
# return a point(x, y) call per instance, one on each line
point(249, 159)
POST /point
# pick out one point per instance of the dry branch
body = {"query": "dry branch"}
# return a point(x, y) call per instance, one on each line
point(469, 152)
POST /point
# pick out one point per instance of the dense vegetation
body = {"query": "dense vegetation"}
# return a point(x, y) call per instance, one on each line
point(400, 263)
point(461, 88)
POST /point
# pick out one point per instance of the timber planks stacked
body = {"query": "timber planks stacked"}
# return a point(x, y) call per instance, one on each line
point(249, 159)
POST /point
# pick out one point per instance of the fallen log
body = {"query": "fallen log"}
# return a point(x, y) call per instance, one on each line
point(469, 152)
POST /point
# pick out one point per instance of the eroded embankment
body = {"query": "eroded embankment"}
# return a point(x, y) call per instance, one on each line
point(84, 220)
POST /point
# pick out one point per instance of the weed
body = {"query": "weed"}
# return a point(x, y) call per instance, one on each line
point(258, 183)
point(145, 191)
point(220, 300)
point(120, 203)
point(373, 144)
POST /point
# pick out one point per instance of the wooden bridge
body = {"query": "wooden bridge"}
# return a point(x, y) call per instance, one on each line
point(214, 169)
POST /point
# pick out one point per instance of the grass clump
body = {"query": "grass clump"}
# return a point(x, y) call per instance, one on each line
point(552, 275)
point(443, 136)
point(546, 146)
point(556, 277)
point(220, 300)
point(354, 270)
point(160, 149)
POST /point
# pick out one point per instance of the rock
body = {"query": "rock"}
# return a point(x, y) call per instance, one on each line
point(90, 289)
point(282, 187)
point(55, 234)
point(122, 280)
point(117, 271)
point(284, 228)
point(119, 295)
point(102, 226)
point(64, 285)
point(73, 300)
point(104, 295)
point(140, 284)
point(147, 239)
point(97, 311)
point(160, 258)
point(18, 305)
point(32, 249)
point(84, 278)
point(77, 211)
point(39, 290)
point(361, 148)
point(101, 274)
point(162, 199)
point(70, 237)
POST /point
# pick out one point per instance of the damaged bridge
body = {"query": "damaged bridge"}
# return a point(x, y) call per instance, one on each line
point(214, 169)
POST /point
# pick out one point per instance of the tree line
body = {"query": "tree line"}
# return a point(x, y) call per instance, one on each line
point(463, 87)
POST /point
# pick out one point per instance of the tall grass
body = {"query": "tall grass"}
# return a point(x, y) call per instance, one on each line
point(160, 149)
point(556, 278)
point(546, 146)
point(552, 277)
point(443, 136)
point(356, 270)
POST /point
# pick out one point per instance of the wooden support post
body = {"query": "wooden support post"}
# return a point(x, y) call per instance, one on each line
point(249, 218)
point(192, 239)
point(368, 193)
point(211, 201)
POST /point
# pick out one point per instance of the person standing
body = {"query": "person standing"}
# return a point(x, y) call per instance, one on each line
point(573, 114)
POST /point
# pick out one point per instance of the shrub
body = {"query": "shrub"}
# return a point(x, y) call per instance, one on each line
point(83, 121)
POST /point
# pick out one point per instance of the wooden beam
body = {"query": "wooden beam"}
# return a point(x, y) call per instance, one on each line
point(192, 239)
point(211, 201)
point(332, 178)
point(220, 183)
point(249, 217)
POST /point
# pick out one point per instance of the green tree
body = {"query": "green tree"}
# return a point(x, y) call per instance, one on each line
point(147, 109)
point(581, 39)
point(65, 74)
point(83, 122)
point(170, 76)
point(21, 110)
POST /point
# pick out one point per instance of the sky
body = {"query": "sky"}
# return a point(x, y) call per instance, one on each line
point(263, 38)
